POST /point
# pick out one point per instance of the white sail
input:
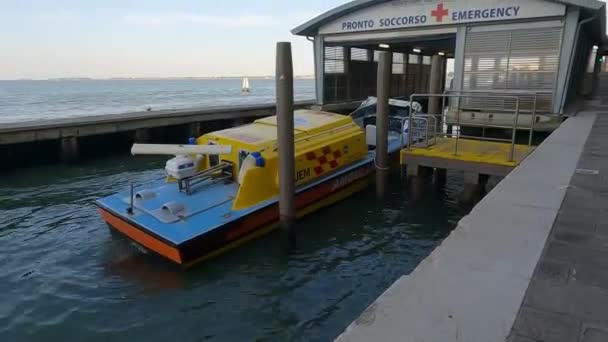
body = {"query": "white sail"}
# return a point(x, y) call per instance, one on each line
point(245, 86)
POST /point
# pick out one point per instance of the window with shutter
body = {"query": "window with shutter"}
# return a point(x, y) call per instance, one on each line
point(334, 59)
point(525, 59)
point(357, 54)
point(398, 63)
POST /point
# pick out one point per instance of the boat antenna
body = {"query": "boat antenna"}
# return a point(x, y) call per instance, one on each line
point(130, 208)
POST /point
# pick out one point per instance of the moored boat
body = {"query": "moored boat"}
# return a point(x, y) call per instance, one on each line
point(223, 190)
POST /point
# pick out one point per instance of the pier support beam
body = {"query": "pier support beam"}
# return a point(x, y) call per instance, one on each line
point(472, 178)
point(68, 149)
point(474, 187)
point(194, 129)
point(417, 179)
point(435, 87)
point(440, 177)
point(415, 170)
point(141, 135)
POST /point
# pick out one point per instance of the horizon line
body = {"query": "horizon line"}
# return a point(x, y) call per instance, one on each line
point(312, 76)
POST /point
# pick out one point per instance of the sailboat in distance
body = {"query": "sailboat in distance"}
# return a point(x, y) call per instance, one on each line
point(245, 86)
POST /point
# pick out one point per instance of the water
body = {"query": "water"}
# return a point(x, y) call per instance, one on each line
point(34, 100)
point(65, 277)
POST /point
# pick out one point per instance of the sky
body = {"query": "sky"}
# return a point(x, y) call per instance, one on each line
point(151, 38)
point(42, 39)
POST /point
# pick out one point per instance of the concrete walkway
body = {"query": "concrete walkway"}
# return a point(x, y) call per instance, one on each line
point(471, 288)
point(567, 299)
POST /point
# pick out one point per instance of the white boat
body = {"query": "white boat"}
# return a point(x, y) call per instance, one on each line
point(245, 86)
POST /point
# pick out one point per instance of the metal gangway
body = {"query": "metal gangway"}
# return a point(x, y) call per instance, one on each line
point(429, 123)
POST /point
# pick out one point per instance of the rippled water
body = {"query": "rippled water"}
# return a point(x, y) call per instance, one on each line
point(33, 100)
point(64, 276)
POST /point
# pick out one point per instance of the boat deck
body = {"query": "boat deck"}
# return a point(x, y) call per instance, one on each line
point(202, 210)
point(486, 157)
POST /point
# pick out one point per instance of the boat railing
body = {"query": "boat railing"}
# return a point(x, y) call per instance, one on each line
point(218, 173)
point(438, 131)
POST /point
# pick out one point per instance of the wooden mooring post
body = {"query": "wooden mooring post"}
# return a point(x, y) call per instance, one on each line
point(285, 126)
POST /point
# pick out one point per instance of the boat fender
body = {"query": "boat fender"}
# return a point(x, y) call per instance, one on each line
point(254, 159)
point(173, 208)
point(406, 131)
point(145, 195)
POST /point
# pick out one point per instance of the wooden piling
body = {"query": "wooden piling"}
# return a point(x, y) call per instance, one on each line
point(69, 150)
point(284, 94)
point(382, 113)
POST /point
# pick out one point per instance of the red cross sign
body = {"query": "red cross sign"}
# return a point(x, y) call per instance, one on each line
point(439, 13)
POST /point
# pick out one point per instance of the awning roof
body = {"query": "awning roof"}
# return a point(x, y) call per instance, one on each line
point(311, 27)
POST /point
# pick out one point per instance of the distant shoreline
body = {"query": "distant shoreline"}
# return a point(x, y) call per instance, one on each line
point(301, 77)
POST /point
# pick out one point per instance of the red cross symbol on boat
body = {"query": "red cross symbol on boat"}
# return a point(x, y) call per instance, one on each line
point(439, 13)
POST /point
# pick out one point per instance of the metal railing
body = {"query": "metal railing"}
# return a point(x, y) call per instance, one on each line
point(469, 94)
point(534, 94)
point(530, 99)
point(216, 173)
point(413, 128)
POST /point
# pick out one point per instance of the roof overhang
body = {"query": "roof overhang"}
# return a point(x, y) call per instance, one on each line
point(311, 28)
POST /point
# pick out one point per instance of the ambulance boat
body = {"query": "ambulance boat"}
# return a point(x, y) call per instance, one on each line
point(222, 189)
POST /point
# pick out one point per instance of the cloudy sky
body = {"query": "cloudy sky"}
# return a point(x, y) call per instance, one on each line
point(151, 38)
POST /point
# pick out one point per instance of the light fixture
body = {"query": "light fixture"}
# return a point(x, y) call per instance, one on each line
point(415, 50)
point(441, 53)
point(384, 46)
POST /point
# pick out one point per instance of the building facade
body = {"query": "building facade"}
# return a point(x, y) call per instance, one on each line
point(507, 46)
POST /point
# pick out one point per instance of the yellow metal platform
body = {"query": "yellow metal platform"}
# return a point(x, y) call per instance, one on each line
point(486, 157)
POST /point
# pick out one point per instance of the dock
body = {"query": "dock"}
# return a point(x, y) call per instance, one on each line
point(60, 139)
point(469, 155)
point(528, 264)
point(567, 298)
point(41, 130)
point(472, 286)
